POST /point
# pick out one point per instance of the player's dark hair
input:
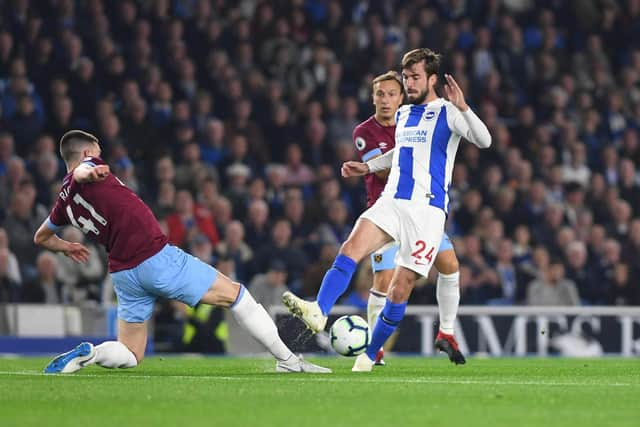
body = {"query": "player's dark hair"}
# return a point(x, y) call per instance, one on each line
point(429, 58)
point(389, 75)
point(73, 142)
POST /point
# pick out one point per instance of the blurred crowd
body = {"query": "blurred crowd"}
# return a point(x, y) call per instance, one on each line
point(231, 120)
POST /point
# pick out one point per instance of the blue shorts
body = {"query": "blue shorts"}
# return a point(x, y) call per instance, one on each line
point(384, 258)
point(171, 273)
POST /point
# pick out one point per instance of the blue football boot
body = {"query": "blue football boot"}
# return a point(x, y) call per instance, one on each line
point(72, 361)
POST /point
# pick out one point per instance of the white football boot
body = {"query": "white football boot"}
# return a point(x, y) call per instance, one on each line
point(298, 364)
point(362, 364)
point(307, 311)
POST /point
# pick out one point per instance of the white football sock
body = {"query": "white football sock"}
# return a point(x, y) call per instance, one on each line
point(448, 295)
point(114, 354)
point(255, 319)
point(375, 305)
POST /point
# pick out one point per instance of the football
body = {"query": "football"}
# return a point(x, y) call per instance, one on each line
point(350, 335)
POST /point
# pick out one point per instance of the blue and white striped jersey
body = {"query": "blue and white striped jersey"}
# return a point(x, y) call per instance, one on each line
point(427, 138)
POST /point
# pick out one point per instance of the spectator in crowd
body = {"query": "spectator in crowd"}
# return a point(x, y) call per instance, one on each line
point(21, 224)
point(166, 200)
point(294, 211)
point(202, 249)
point(12, 267)
point(576, 169)
point(44, 288)
point(233, 246)
point(337, 228)
point(552, 288)
point(318, 207)
point(621, 216)
point(188, 220)
point(222, 212)
point(631, 251)
point(605, 270)
point(507, 276)
point(481, 277)
point(297, 173)
point(26, 124)
point(280, 247)
point(267, 288)
point(549, 228)
point(236, 189)
point(578, 270)
point(629, 188)
point(47, 174)
point(257, 225)
point(80, 282)
point(212, 147)
point(623, 290)
point(10, 183)
point(315, 271)
point(238, 154)
point(276, 175)
point(192, 171)
point(522, 245)
point(465, 217)
point(165, 170)
point(9, 287)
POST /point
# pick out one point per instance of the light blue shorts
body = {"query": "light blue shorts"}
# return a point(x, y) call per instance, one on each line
point(384, 259)
point(171, 273)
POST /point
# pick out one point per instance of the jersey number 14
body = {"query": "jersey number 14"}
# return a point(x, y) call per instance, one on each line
point(85, 224)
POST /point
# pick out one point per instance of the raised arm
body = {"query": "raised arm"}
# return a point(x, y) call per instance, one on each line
point(471, 128)
point(466, 123)
point(87, 173)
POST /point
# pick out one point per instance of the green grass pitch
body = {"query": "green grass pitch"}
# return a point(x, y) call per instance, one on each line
point(189, 392)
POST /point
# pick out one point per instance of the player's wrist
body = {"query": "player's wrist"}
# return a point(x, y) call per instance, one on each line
point(370, 168)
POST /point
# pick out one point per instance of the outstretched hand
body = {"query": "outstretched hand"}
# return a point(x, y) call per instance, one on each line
point(77, 252)
point(454, 93)
point(352, 168)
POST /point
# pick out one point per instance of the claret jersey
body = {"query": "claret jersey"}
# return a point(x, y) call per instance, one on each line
point(372, 139)
point(112, 214)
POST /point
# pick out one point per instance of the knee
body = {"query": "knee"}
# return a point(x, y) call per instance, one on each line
point(351, 249)
point(223, 292)
point(448, 265)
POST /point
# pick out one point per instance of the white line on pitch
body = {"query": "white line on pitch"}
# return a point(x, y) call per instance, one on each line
point(328, 379)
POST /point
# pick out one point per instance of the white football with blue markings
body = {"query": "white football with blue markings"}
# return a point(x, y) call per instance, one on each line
point(350, 335)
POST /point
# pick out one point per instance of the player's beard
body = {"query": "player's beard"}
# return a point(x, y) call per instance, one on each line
point(419, 99)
